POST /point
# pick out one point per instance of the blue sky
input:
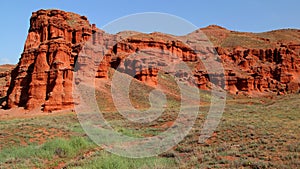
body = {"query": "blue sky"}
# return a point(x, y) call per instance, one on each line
point(250, 16)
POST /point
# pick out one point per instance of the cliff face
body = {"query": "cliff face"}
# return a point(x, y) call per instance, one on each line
point(4, 76)
point(4, 82)
point(142, 56)
point(263, 70)
point(254, 64)
point(44, 74)
point(254, 71)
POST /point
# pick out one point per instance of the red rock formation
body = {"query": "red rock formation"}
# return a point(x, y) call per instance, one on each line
point(261, 70)
point(4, 80)
point(44, 74)
point(142, 56)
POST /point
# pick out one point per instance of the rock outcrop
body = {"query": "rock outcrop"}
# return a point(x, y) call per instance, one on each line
point(142, 56)
point(253, 71)
point(44, 74)
point(261, 70)
point(43, 77)
point(4, 80)
point(261, 63)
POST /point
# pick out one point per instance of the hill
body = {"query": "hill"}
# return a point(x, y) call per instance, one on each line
point(254, 64)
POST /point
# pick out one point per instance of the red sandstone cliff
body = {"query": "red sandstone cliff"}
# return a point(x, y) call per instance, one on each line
point(4, 82)
point(43, 76)
point(254, 63)
point(143, 55)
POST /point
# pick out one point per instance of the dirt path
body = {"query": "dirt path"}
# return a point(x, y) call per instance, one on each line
point(15, 113)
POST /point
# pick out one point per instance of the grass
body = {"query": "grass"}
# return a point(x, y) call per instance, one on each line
point(264, 40)
point(63, 151)
point(33, 155)
point(104, 160)
point(244, 40)
point(283, 35)
point(21, 132)
point(253, 133)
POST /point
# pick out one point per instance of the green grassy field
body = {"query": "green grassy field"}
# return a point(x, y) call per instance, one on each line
point(253, 133)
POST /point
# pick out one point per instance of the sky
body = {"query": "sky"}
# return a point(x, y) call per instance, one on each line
point(238, 15)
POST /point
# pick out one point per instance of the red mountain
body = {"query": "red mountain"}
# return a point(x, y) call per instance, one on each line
point(254, 63)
